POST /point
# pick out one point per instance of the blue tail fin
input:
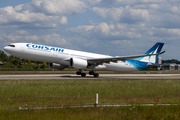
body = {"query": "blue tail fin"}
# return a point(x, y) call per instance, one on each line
point(154, 50)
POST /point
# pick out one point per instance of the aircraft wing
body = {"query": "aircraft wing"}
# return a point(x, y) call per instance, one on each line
point(99, 61)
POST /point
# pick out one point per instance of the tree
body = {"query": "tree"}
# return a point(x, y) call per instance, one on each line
point(3, 56)
point(10, 58)
point(171, 61)
point(43, 65)
point(15, 61)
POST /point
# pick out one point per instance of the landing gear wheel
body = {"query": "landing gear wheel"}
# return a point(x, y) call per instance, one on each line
point(91, 73)
point(83, 74)
point(96, 75)
point(78, 73)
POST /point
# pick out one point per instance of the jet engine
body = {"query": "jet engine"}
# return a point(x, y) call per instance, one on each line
point(78, 63)
point(56, 66)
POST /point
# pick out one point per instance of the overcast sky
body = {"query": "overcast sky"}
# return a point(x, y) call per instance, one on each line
point(114, 27)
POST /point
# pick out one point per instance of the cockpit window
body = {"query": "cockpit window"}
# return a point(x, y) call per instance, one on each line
point(11, 45)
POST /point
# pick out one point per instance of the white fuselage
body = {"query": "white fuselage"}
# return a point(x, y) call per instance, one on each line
point(61, 56)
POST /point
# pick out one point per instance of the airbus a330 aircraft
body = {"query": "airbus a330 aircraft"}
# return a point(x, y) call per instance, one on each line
point(60, 58)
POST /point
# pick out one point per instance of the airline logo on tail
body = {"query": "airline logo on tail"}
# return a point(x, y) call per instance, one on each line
point(142, 62)
point(154, 50)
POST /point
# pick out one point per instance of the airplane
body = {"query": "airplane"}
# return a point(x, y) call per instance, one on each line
point(60, 58)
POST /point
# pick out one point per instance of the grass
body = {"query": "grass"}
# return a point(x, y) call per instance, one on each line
point(123, 113)
point(14, 94)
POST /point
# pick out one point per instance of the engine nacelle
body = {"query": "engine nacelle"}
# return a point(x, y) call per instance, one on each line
point(78, 63)
point(56, 66)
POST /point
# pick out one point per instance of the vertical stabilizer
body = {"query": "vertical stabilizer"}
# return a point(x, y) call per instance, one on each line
point(154, 50)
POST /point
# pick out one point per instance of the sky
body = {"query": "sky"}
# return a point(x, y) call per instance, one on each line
point(111, 27)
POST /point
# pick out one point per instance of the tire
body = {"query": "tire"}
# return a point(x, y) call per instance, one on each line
point(78, 73)
point(91, 73)
point(83, 74)
point(96, 75)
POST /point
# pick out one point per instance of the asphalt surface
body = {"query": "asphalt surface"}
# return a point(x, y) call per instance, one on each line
point(101, 76)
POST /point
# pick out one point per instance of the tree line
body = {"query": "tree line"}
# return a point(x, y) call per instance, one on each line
point(171, 61)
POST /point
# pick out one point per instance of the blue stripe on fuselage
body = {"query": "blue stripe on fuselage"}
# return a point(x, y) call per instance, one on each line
point(138, 64)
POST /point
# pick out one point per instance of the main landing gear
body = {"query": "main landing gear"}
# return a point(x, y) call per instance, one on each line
point(84, 74)
point(80, 73)
point(93, 73)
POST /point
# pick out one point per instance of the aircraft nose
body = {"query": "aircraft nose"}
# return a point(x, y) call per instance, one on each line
point(7, 49)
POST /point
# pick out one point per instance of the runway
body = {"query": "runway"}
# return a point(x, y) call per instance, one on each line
point(101, 76)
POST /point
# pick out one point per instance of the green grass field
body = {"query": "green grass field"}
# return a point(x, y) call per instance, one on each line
point(22, 93)
point(119, 113)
